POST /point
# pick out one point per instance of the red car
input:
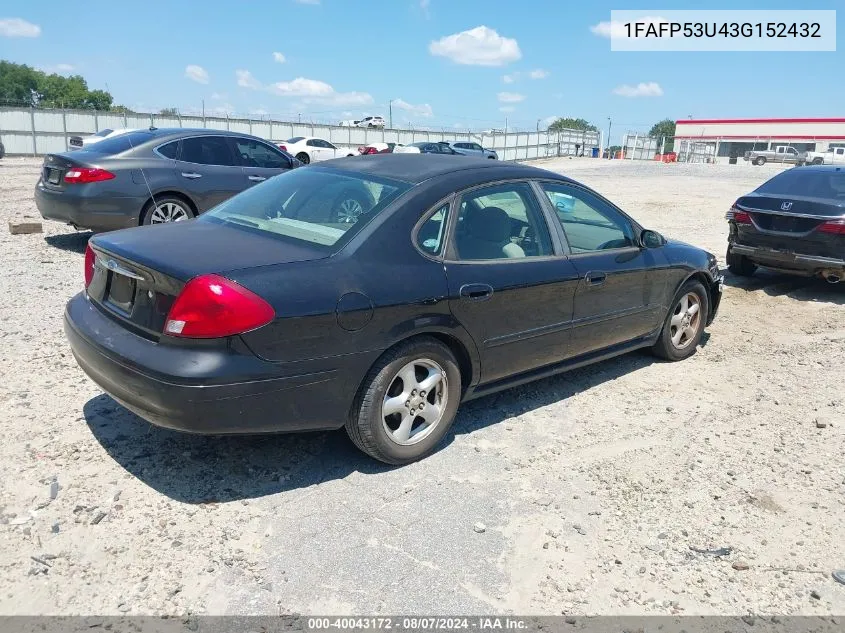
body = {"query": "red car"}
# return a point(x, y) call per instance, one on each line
point(378, 148)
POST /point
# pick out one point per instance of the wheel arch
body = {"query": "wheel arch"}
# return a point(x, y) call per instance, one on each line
point(707, 282)
point(167, 193)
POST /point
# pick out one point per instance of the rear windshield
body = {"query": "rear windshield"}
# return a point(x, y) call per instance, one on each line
point(119, 143)
point(316, 205)
point(809, 183)
point(296, 139)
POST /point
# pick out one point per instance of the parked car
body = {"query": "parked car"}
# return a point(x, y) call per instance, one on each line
point(282, 318)
point(379, 148)
point(153, 176)
point(310, 149)
point(468, 148)
point(77, 142)
point(426, 147)
point(2, 149)
point(831, 156)
point(371, 121)
point(781, 154)
point(793, 223)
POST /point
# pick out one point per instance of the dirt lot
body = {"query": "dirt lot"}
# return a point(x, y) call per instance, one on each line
point(581, 494)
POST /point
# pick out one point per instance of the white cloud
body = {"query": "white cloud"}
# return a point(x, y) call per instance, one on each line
point(15, 27)
point(538, 74)
point(650, 89)
point(481, 46)
point(259, 112)
point(424, 5)
point(509, 79)
point(507, 109)
point(196, 73)
point(459, 126)
point(618, 30)
point(279, 58)
point(422, 109)
point(549, 120)
point(301, 87)
point(246, 80)
point(510, 97)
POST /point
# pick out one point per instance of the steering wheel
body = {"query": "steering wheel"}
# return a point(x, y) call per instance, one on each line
point(618, 243)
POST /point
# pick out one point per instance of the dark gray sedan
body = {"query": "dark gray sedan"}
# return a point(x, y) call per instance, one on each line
point(153, 176)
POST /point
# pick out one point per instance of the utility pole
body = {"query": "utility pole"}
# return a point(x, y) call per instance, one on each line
point(609, 122)
point(538, 125)
point(390, 109)
point(203, 108)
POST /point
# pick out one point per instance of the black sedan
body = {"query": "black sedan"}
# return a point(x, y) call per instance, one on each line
point(793, 223)
point(279, 310)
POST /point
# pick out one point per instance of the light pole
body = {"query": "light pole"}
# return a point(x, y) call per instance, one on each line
point(538, 124)
point(609, 123)
point(390, 108)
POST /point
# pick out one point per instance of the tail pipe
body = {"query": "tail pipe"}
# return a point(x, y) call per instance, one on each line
point(832, 276)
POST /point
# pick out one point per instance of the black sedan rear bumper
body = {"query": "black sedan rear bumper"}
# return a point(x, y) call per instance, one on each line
point(209, 390)
point(794, 263)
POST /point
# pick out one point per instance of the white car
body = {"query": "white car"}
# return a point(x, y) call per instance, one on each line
point(78, 142)
point(310, 149)
point(371, 121)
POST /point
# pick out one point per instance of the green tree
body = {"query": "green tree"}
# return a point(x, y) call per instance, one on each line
point(18, 84)
point(27, 86)
point(572, 124)
point(169, 112)
point(121, 109)
point(664, 128)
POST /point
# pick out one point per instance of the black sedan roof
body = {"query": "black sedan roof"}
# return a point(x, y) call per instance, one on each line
point(417, 168)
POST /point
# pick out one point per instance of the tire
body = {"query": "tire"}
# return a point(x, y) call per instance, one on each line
point(303, 158)
point(380, 436)
point(158, 211)
point(818, 161)
point(760, 160)
point(683, 326)
point(740, 265)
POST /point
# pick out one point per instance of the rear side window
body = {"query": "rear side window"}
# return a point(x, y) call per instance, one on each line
point(808, 183)
point(120, 143)
point(207, 150)
point(170, 150)
point(431, 235)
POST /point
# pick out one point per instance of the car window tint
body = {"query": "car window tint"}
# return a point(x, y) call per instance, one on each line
point(431, 233)
point(477, 147)
point(170, 150)
point(589, 223)
point(501, 222)
point(207, 150)
point(119, 143)
point(255, 154)
point(811, 183)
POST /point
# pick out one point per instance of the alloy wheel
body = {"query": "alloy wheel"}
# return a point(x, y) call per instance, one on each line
point(686, 320)
point(349, 211)
point(169, 212)
point(414, 402)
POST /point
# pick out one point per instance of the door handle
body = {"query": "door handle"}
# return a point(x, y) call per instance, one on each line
point(595, 278)
point(191, 175)
point(476, 292)
point(257, 178)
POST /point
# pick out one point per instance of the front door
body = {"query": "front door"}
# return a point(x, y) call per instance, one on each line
point(509, 285)
point(620, 288)
point(259, 161)
point(208, 170)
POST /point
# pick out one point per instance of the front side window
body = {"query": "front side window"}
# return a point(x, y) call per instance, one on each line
point(208, 150)
point(589, 223)
point(430, 237)
point(255, 154)
point(319, 206)
point(501, 222)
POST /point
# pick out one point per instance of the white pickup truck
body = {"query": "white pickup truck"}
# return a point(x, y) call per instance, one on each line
point(833, 156)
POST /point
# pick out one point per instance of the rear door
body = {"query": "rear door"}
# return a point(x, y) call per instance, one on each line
point(209, 171)
point(259, 161)
point(620, 293)
point(510, 285)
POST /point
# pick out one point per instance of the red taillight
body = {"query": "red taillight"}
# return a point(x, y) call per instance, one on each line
point(368, 150)
point(76, 175)
point(384, 151)
point(836, 227)
point(283, 148)
point(211, 306)
point(740, 217)
point(90, 258)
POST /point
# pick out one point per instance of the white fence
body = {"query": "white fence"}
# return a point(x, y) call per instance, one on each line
point(36, 132)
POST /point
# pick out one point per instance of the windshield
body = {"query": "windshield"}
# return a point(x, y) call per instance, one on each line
point(807, 183)
point(320, 206)
point(296, 139)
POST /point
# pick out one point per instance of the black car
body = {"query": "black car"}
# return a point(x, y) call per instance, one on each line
point(153, 176)
point(280, 311)
point(2, 150)
point(793, 223)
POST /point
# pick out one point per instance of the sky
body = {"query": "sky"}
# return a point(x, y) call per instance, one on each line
point(451, 64)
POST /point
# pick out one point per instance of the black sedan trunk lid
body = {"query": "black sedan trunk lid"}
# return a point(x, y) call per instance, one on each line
point(140, 272)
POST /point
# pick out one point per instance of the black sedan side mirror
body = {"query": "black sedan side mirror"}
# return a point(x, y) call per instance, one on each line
point(651, 239)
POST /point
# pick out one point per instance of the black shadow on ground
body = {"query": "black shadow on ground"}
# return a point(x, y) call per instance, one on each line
point(203, 469)
point(795, 287)
point(74, 242)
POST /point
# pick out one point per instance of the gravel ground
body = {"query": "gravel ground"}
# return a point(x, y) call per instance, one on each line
point(582, 494)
